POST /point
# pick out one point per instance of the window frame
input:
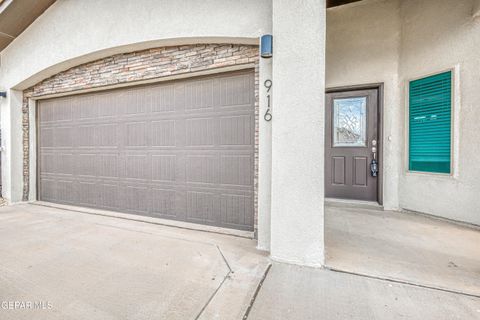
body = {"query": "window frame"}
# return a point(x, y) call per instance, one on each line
point(453, 108)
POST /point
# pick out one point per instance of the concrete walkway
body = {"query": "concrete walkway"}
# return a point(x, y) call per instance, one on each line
point(405, 247)
point(298, 293)
point(74, 265)
point(83, 266)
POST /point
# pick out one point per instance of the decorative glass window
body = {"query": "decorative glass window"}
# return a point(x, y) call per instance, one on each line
point(350, 122)
point(430, 118)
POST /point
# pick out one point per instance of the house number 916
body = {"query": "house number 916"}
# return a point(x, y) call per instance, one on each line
point(268, 115)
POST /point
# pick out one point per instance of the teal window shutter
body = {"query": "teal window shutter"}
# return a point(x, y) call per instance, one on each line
point(430, 118)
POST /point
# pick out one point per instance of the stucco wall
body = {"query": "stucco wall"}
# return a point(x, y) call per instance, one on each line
point(363, 46)
point(439, 35)
point(73, 32)
point(70, 29)
point(392, 41)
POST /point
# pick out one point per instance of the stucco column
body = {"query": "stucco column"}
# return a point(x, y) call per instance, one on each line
point(297, 220)
point(12, 142)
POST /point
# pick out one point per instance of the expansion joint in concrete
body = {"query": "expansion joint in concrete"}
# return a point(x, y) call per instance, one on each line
point(254, 297)
point(408, 283)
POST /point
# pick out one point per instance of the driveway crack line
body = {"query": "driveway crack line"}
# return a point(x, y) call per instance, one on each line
point(213, 295)
point(227, 276)
point(224, 259)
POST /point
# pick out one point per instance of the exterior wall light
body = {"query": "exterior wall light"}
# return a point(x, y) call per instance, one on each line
point(3, 94)
point(266, 46)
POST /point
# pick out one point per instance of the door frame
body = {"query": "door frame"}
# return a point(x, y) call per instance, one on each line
point(380, 88)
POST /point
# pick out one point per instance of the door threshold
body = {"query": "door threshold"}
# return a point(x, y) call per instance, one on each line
point(334, 202)
point(151, 220)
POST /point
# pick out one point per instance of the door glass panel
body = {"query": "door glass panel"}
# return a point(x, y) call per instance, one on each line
point(350, 122)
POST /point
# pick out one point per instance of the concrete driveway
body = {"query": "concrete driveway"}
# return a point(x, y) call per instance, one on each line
point(61, 264)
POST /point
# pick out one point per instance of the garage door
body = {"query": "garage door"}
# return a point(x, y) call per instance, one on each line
point(180, 150)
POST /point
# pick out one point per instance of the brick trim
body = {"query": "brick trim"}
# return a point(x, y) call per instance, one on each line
point(142, 65)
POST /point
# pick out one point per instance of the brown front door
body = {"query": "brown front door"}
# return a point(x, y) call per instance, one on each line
point(351, 143)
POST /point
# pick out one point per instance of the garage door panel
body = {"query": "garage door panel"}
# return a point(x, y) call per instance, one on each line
point(110, 106)
point(85, 107)
point(235, 170)
point(85, 193)
point(108, 196)
point(236, 130)
point(65, 163)
point(135, 198)
point(164, 167)
point(234, 91)
point(63, 137)
point(200, 132)
point(46, 137)
point(47, 192)
point(199, 95)
point(62, 112)
point(165, 98)
point(86, 165)
point(106, 135)
point(108, 166)
point(85, 136)
point(203, 207)
point(136, 167)
point(202, 168)
point(64, 190)
point(180, 150)
point(237, 209)
point(136, 134)
point(47, 163)
point(136, 102)
point(164, 202)
point(163, 133)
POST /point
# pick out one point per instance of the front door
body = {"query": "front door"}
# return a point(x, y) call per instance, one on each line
point(351, 143)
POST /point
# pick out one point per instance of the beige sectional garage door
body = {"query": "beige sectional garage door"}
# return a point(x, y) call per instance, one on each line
point(180, 150)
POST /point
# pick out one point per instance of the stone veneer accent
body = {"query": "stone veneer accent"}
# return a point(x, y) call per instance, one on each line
point(140, 66)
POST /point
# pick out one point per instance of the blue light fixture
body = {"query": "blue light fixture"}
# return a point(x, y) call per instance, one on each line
point(266, 46)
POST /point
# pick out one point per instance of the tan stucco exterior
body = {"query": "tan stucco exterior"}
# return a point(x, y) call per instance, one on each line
point(372, 41)
point(393, 42)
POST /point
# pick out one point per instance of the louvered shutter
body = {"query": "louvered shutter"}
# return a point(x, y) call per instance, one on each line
point(430, 117)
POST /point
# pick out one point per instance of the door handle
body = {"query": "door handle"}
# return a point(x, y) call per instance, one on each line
point(374, 163)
